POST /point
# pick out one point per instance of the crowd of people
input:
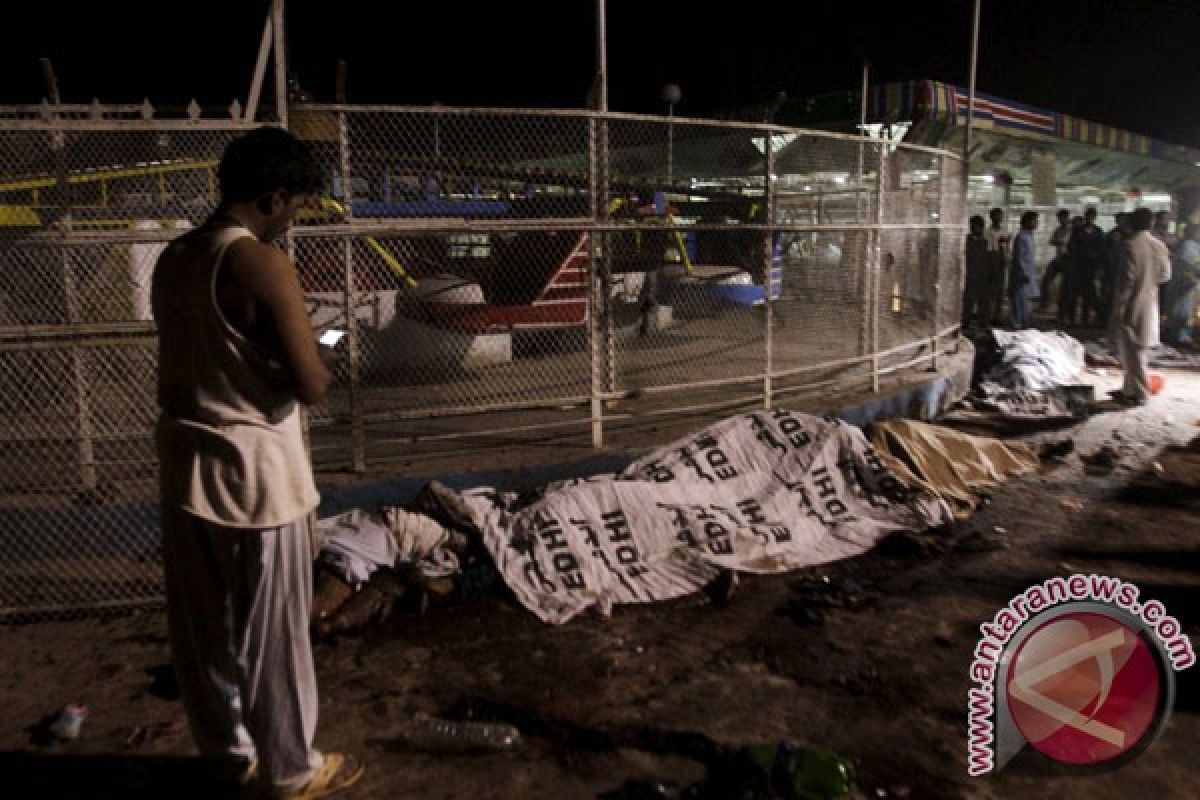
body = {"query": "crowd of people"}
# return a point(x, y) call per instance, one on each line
point(1138, 281)
point(1078, 280)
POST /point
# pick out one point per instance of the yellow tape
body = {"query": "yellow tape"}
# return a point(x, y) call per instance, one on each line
point(105, 175)
point(19, 216)
point(373, 243)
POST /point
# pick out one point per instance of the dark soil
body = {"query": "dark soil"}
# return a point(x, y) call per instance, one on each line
point(868, 658)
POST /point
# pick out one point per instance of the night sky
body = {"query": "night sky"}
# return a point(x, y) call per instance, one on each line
point(1135, 65)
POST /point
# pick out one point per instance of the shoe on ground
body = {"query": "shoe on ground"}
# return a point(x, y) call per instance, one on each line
point(338, 772)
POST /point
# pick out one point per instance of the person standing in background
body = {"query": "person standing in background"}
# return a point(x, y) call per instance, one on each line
point(1180, 291)
point(1113, 241)
point(1057, 266)
point(998, 241)
point(1133, 325)
point(1022, 277)
point(1085, 254)
point(976, 301)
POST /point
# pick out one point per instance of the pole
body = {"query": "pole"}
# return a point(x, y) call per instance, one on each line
point(358, 449)
point(876, 263)
point(260, 69)
point(862, 114)
point(670, 141)
point(769, 277)
point(940, 250)
point(970, 104)
point(83, 404)
point(601, 57)
point(596, 409)
point(339, 82)
point(281, 98)
point(605, 278)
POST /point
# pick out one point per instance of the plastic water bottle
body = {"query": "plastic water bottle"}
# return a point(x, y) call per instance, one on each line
point(69, 721)
point(451, 736)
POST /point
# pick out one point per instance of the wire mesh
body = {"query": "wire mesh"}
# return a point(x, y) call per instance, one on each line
point(505, 276)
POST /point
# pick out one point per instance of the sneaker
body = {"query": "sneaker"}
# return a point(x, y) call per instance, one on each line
point(339, 772)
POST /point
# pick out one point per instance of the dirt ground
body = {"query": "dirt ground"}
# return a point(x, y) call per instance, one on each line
point(659, 693)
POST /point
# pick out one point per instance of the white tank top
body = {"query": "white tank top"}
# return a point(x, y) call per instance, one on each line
point(230, 441)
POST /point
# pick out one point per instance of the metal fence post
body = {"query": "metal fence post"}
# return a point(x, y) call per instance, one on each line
point(595, 211)
point(606, 281)
point(85, 450)
point(876, 260)
point(866, 247)
point(358, 456)
point(769, 255)
point(937, 276)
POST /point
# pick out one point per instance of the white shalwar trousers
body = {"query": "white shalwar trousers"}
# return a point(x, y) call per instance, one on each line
point(238, 604)
point(1134, 361)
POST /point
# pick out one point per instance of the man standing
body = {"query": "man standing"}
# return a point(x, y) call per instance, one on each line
point(998, 240)
point(1180, 292)
point(1085, 253)
point(976, 301)
point(1133, 326)
point(1113, 242)
point(236, 358)
point(1022, 278)
point(1057, 266)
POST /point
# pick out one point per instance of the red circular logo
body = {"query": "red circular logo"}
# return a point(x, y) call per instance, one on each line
point(1083, 688)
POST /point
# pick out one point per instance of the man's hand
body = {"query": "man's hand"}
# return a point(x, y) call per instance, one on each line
point(332, 356)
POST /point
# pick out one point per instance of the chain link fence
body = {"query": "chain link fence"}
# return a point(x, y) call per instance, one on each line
point(511, 281)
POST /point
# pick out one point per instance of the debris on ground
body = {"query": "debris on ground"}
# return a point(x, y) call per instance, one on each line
point(813, 595)
point(980, 542)
point(58, 726)
point(907, 544)
point(1056, 450)
point(792, 772)
point(1103, 460)
point(1100, 354)
point(438, 735)
point(143, 734)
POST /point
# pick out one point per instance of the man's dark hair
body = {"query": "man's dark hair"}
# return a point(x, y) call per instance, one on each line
point(1028, 219)
point(1142, 219)
point(1090, 213)
point(1062, 212)
point(996, 211)
point(977, 221)
point(266, 160)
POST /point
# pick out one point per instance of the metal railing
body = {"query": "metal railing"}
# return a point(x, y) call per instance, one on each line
point(508, 278)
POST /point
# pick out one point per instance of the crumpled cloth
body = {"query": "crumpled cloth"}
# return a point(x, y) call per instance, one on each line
point(354, 544)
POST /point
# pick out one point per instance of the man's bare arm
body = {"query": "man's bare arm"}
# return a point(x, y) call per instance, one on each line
point(267, 276)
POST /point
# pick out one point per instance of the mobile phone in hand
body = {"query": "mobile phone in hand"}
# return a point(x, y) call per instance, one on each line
point(331, 337)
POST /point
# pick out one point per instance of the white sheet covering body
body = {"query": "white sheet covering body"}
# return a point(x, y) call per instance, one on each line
point(766, 491)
